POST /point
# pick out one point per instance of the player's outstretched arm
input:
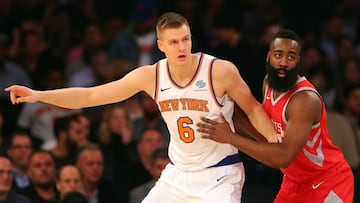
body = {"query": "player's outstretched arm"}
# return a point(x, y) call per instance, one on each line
point(78, 97)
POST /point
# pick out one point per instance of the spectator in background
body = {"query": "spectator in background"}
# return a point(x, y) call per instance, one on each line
point(85, 134)
point(264, 35)
point(113, 24)
point(135, 110)
point(39, 118)
point(11, 15)
point(56, 24)
point(149, 141)
point(10, 73)
point(19, 152)
point(75, 197)
point(159, 160)
point(42, 175)
point(34, 56)
point(3, 141)
point(6, 180)
point(81, 58)
point(68, 179)
point(261, 42)
point(256, 14)
point(351, 110)
point(117, 142)
point(96, 73)
point(26, 25)
point(350, 72)
point(136, 43)
point(80, 55)
point(90, 162)
point(344, 136)
point(349, 9)
point(345, 50)
point(330, 32)
point(322, 77)
point(151, 118)
point(67, 131)
point(230, 43)
point(116, 124)
point(311, 55)
point(349, 76)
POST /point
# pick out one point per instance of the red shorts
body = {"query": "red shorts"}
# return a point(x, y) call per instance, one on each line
point(334, 186)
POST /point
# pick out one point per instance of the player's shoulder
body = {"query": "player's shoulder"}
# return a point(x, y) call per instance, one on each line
point(146, 68)
point(305, 101)
point(220, 62)
point(224, 66)
point(308, 96)
point(306, 91)
point(143, 72)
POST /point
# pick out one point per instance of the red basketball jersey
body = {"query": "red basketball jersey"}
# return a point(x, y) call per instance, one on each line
point(318, 154)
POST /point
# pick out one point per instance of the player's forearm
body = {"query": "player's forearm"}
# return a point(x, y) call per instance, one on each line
point(244, 127)
point(260, 120)
point(72, 98)
point(271, 154)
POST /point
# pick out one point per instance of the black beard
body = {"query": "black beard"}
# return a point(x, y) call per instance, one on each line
point(282, 84)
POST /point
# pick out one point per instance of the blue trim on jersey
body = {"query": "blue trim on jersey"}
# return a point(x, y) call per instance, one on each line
point(211, 83)
point(156, 81)
point(231, 159)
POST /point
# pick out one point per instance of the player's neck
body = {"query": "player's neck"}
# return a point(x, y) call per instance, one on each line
point(276, 94)
point(182, 74)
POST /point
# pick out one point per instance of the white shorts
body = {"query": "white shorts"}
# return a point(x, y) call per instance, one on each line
point(216, 184)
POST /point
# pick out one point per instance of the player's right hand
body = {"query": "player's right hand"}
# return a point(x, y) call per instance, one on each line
point(20, 94)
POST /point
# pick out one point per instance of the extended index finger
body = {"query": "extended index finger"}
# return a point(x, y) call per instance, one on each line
point(12, 94)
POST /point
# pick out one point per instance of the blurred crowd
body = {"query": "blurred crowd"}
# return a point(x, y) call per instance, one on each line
point(116, 152)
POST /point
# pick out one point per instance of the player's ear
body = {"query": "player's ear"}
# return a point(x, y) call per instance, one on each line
point(160, 45)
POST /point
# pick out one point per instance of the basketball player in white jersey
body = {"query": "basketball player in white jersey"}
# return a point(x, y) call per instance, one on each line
point(186, 86)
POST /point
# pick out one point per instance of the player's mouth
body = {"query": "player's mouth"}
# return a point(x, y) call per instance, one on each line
point(282, 73)
point(182, 57)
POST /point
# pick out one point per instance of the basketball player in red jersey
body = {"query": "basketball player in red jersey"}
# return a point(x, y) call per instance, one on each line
point(314, 169)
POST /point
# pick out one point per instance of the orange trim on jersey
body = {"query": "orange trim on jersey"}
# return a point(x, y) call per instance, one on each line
point(192, 79)
point(211, 84)
point(157, 78)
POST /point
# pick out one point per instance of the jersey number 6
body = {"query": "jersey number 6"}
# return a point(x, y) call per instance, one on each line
point(186, 133)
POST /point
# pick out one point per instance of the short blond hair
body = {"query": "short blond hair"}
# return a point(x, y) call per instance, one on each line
point(170, 20)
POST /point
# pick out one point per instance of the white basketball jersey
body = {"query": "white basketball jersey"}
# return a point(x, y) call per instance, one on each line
point(182, 107)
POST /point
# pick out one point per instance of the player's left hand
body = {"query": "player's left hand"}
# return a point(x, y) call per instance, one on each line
point(217, 131)
point(276, 138)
